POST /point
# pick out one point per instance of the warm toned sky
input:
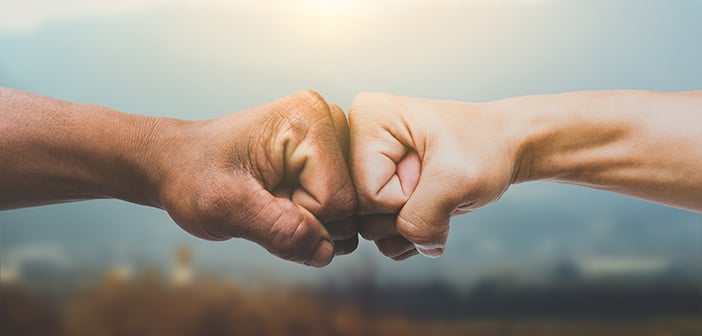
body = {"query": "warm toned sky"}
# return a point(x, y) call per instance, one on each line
point(200, 59)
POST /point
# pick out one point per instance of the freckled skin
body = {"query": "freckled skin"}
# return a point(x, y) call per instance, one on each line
point(417, 162)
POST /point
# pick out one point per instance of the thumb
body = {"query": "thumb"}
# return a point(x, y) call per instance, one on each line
point(424, 219)
point(289, 231)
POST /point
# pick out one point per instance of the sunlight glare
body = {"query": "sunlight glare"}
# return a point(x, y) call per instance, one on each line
point(328, 8)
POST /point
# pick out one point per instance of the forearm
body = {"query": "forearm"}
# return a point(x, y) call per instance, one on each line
point(53, 151)
point(644, 144)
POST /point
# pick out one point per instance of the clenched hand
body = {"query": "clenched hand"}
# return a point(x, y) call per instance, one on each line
point(415, 163)
point(274, 174)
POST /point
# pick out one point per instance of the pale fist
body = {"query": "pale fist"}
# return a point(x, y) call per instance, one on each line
point(416, 162)
point(274, 174)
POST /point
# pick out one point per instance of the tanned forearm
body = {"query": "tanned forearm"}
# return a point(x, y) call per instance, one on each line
point(53, 151)
point(643, 144)
point(269, 174)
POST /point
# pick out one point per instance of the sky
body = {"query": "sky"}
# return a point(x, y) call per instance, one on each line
point(201, 59)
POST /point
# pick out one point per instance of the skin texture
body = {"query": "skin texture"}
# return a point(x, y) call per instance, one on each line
point(274, 174)
point(416, 162)
point(277, 174)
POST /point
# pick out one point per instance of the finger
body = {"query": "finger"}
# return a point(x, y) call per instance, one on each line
point(377, 227)
point(424, 220)
point(406, 255)
point(382, 130)
point(285, 229)
point(374, 157)
point(395, 246)
point(380, 143)
point(325, 186)
point(346, 246)
point(341, 126)
point(342, 229)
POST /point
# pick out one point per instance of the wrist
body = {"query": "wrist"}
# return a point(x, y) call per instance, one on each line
point(135, 154)
point(564, 137)
point(528, 125)
point(513, 130)
point(151, 147)
point(537, 131)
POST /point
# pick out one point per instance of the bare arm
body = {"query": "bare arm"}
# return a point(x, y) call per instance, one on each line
point(644, 144)
point(427, 160)
point(274, 174)
point(53, 151)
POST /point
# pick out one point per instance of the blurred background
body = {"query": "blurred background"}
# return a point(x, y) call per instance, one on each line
point(547, 259)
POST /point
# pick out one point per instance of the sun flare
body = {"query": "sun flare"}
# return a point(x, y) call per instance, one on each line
point(329, 8)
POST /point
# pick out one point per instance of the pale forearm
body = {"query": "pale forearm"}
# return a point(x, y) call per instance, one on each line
point(644, 144)
point(53, 151)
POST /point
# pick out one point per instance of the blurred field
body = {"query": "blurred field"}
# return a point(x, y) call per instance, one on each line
point(546, 328)
point(152, 306)
point(183, 303)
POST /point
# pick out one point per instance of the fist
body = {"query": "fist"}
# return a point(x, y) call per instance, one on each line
point(274, 174)
point(415, 163)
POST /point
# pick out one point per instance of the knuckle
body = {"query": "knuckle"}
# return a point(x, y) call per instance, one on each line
point(364, 97)
point(364, 101)
point(305, 112)
point(309, 100)
point(366, 204)
point(344, 200)
point(337, 204)
point(310, 95)
point(353, 118)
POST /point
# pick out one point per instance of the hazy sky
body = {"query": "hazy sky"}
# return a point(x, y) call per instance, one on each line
point(200, 59)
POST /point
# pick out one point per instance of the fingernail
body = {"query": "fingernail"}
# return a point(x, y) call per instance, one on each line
point(322, 255)
point(431, 253)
